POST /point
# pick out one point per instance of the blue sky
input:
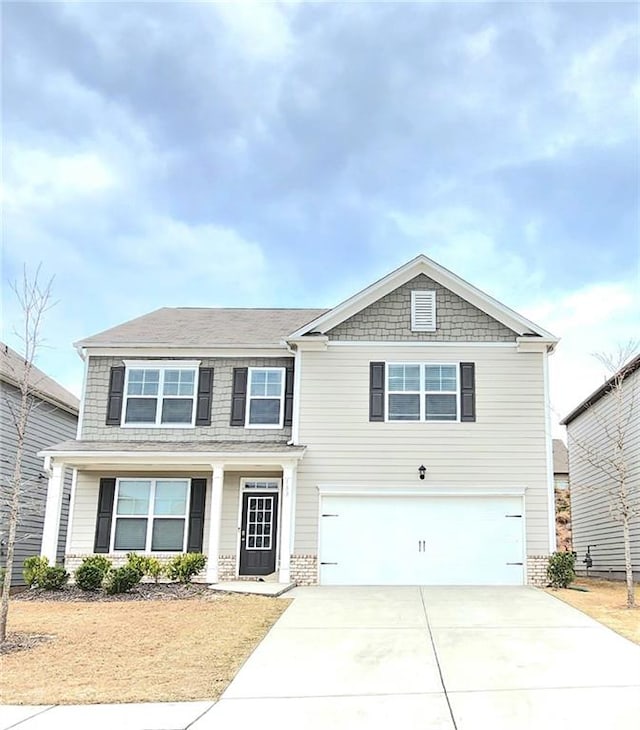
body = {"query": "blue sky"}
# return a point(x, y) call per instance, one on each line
point(289, 154)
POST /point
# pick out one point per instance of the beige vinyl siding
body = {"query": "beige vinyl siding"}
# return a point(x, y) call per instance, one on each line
point(86, 505)
point(505, 447)
point(83, 526)
point(591, 505)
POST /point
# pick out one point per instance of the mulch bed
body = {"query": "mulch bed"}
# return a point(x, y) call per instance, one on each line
point(142, 592)
point(22, 642)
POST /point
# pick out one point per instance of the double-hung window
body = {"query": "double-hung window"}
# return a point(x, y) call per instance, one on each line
point(422, 392)
point(151, 515)
point(160, 393)
point(265, 398)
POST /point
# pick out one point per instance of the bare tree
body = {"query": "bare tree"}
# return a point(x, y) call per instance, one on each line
point(609, 450)
point(34, 299)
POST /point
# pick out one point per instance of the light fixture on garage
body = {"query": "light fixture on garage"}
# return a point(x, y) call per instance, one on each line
point(422, 470)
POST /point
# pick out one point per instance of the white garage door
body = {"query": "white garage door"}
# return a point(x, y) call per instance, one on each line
point(390, 540)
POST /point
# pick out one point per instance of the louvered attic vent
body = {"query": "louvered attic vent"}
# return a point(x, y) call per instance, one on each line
point(423, 311)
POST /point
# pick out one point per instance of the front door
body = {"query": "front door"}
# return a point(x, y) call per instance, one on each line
point(258, 533)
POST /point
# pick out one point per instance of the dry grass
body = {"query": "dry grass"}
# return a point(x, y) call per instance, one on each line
point(148, 651)
point(606, 602)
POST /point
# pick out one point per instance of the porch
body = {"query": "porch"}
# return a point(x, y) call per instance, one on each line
point(233, 501)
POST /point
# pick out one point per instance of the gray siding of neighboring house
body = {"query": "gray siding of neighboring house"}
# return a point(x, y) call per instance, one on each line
point(389, 318)
point(97, 390)
point(47, 426)
point(591, 507)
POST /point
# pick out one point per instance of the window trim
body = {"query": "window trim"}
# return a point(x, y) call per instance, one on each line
point(162, 366)
point(423, 392)
point(247, 415)
point(150, 517)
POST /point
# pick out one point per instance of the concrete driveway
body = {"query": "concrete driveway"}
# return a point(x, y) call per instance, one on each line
point(440, 658)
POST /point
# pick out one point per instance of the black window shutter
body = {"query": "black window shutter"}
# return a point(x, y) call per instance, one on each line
point(467, 391)
point(116, 393)
point(106, 496)
point(288, 398)
point(239, 396)
point(196, 515)
point(376, 391)
point(205, 394)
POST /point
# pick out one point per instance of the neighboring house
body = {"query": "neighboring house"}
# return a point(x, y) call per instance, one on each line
point(402, 437)
point(54, 416)
point(562, 495)
point(592, 428)
point(560, 465)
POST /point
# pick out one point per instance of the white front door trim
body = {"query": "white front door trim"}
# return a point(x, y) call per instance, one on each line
point(241, 492)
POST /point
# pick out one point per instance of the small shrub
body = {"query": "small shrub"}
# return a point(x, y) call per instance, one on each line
point(53, 578)
point(560, 570)
point(183, 567)
point(155, 569)
point(121, 580)
point(32, 569)
point(91, 572)
point(145, 565)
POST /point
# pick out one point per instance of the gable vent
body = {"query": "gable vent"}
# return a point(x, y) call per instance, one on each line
point(423, 311)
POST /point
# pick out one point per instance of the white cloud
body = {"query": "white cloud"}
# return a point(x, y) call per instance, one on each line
point(596, 318)
point(35, 178)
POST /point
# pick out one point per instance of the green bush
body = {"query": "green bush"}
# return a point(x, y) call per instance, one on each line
point(121, 580)
point(155, 568)
point(560, 569)
point(32, 569)
point(91, 572)
point(52, 578)
point(145, 565)
point(183, 567)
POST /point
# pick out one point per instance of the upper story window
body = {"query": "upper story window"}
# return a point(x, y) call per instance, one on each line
point(422, 392)
point(160, 393)
point(423, 311)
point(150, 515)
point(265, 398)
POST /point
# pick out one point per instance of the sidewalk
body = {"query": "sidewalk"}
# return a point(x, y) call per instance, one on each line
point(143, 716)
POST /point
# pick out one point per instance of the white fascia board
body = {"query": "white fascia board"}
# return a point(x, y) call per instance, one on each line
point(315, 343)
point(417, 343)
point(355, 490)
point(189, 352)
point(537, 344)
point(423, 265)
point(188, 459)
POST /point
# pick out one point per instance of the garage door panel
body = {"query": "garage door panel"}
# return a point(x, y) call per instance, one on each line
point(377, 540)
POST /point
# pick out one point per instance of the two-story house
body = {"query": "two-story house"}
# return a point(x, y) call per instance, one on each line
point(402, 437)
point(53, 416)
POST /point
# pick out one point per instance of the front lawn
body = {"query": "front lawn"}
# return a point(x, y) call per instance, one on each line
point(132, 651)
point(605, 602)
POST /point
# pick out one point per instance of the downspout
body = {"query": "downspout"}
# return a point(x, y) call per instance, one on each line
point(295, 420)
point(85, 357)
point(551, 498)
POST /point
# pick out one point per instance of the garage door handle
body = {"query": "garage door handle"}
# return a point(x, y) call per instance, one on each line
point(328, 563)
point(514, 563)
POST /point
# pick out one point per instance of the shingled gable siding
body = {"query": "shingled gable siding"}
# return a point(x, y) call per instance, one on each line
point(94, 428)
point(390, 319)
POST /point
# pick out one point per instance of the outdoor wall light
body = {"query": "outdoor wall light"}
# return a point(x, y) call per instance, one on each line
point(422, 470)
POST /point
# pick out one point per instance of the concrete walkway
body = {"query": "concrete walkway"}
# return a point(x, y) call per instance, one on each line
point(404, 658)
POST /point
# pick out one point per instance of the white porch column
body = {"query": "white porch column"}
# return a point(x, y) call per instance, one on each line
point(215, 514)
point(287, 521)
point(51, 529)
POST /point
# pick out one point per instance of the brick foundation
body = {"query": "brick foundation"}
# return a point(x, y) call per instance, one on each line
point(226, 568)
point(304, 570)
point(537, 570)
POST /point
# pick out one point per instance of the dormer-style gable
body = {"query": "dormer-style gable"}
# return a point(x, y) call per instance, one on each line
point(423, 301)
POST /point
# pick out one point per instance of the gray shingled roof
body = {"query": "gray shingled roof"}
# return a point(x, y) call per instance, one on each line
point(206, 327)
point(217, 447)
point(560, 457)
point(12, 369)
